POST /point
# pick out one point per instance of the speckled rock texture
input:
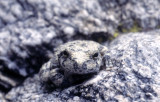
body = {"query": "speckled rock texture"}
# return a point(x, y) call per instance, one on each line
point(142, 13)
point(26, 44)
point(132, 74)
point(2, 99)
point(86, 16)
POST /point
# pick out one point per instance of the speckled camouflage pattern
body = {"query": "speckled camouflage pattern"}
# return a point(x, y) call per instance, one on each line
point(76, 57)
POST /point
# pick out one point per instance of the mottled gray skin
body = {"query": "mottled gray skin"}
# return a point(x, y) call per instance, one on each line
point(73, 58)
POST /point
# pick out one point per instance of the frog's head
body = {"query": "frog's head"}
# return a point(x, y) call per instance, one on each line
point(81, 57)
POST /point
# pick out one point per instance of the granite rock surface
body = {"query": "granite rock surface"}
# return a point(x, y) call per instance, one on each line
point(87, 17)
point(143, 14)
point(2, 99)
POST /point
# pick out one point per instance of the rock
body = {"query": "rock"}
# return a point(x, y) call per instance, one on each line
point(87, 17)
point(81, 16)
point(132, 74)
point(13, 11)
point(24, 47)
point(26, 44)
point(2, 98)
point(144, 14)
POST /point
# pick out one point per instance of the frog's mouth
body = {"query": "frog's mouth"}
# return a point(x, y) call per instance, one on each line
point(80, 78)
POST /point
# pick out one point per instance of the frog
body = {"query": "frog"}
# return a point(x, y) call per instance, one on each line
point(72, 63)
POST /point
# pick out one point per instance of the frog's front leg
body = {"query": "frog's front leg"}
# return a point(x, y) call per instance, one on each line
point(50, 75)
point(45, 72)
point(56, 77)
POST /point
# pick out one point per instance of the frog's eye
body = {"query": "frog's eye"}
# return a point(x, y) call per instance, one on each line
point(95, 55)
point(65, 54)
